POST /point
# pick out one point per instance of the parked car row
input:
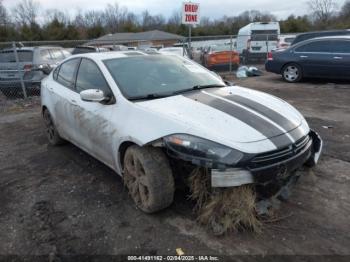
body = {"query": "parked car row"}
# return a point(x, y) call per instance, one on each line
point(314, 54)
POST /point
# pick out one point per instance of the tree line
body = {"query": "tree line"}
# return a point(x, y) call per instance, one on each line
point(28, 21)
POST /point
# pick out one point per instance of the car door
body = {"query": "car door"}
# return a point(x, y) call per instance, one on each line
point(64, 98)
point(315, 58)
point(341, 58)
point(93, 120)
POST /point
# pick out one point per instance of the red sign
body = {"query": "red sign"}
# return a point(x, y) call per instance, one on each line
point(190, 13)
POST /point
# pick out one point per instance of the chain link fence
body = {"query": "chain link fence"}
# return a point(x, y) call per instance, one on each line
point(24, 64)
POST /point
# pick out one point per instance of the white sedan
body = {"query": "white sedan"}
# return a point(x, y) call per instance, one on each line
point(145, 115)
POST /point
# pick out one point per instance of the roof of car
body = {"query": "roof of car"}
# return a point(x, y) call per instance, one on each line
point(341, 37)
point(347, 37)
point(323, 32)
point(120, 54)
point(110, 55)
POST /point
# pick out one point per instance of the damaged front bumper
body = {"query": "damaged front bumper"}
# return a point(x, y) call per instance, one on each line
point(278, 172)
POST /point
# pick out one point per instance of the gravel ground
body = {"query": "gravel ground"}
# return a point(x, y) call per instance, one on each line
point(60, 201)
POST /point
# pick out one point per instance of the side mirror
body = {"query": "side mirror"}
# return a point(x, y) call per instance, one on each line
point(92, 95)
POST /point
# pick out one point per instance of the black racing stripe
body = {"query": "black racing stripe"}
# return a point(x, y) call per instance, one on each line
point(281, 141)
point(297, 133)
point(267, 129)
point(274, 116)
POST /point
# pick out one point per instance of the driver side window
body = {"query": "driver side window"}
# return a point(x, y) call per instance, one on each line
point(90, 77)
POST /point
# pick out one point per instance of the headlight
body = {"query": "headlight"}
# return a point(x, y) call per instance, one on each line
point(202, 149)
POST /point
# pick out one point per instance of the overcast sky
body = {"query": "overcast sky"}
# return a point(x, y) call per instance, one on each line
point(209, 8)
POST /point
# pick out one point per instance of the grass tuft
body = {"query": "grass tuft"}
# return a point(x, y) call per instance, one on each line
point(223, 209)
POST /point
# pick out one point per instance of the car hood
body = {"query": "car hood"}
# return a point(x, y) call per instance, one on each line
point(231, 114)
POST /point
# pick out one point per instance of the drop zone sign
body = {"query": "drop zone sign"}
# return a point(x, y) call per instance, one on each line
point(190, 13)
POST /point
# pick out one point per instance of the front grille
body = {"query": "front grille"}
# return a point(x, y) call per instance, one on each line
point(279, 155)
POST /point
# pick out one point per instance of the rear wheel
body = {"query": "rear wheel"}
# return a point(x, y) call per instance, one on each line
point(51, 131)
point(148, 177)
point(292, 73)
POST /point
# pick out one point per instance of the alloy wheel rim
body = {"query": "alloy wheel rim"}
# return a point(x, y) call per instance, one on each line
point(136, 180)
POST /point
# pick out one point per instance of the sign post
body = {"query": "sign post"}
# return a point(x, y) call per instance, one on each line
point(190, 16)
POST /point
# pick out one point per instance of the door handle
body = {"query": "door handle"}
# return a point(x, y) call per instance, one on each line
point(50, 88)
point(338, 57)
point(303, 56)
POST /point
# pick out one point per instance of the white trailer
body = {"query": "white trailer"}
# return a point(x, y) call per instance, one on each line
point(255, 40)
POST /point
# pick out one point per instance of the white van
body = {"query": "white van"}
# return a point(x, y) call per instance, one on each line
point(255, 40)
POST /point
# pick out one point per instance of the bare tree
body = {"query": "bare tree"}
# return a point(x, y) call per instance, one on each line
point(322, 10)
point(112, 17)
point(93, 18)
point(26, 12)
point(3, 14)
point(345, 11)
point(54, 14)
point(175, 18)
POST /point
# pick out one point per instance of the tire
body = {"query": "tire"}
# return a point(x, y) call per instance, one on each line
point(51, 131)
point(148, 177)
point(292, 73)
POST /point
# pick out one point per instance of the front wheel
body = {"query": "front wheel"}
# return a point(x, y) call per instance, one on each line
point(292, 73)
point(148, 177)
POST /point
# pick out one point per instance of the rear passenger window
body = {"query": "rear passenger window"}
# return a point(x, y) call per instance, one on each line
point(90, 77)
point(66, 74)
point(341, 46)
point(315, 47)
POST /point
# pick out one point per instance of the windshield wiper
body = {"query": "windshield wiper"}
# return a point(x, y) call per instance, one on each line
point(197, 87)
point(147, 97)
point(156, 96)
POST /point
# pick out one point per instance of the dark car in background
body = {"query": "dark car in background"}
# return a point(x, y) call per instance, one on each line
point(306, 36)
point(34, 63)
point(88, 49)
point(324, 57)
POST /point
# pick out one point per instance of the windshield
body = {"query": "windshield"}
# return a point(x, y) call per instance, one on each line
point(163, 75)
point(264, 35)
point(9, 56)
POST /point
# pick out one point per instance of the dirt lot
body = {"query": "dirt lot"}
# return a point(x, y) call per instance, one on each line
point(59, 200)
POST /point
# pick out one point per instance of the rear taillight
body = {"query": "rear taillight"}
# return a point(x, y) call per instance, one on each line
point(27, 68)
point(269, 56)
